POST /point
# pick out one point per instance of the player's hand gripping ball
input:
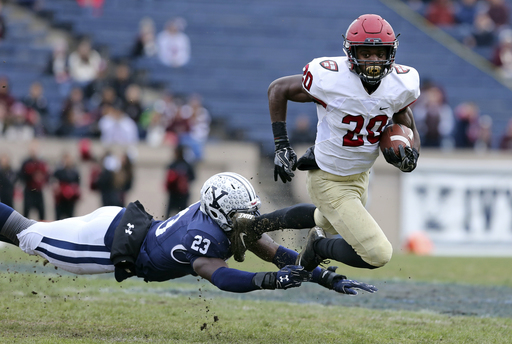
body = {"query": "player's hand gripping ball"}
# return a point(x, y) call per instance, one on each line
point(396, 144)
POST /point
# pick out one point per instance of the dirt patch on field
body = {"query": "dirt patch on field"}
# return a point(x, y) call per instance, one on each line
point(452, 299)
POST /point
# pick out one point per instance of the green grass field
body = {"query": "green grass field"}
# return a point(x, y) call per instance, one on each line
point(39, 304)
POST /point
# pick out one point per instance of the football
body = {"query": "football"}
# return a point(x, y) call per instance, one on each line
point(395, 135)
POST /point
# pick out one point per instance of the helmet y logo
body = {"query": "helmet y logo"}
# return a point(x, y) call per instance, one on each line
point(215, 202)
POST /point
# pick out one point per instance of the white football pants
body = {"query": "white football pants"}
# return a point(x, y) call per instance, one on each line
point(75, 244)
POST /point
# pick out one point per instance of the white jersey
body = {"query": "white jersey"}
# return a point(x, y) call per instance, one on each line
point(349, 119)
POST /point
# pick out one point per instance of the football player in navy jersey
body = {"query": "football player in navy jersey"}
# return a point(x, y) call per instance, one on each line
point(196, 241)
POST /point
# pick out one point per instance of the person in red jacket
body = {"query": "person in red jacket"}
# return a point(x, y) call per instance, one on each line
point(34, 175)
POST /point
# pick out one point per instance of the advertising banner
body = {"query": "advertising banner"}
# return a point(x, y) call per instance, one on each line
point(464, 207)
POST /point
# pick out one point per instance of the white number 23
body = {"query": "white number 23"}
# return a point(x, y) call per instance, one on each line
point(200, 241)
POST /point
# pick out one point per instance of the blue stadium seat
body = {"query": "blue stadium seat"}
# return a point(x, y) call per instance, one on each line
point(239, 48)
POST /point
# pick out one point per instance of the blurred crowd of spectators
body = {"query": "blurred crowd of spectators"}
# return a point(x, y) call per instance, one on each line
point(464, 126)
point(483, 25)
point(103, 98)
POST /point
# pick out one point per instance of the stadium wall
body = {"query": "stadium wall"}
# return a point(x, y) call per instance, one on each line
point(462, 199)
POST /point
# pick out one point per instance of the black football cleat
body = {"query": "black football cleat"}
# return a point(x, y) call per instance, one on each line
point(308, 258)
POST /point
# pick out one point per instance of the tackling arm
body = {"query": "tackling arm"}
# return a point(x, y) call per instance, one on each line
point(268, 250)
point(219, 274)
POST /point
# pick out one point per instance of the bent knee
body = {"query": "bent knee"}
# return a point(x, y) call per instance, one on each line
point(380, 255)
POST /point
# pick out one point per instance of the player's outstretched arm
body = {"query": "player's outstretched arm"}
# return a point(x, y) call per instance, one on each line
point(237, 281)
point(268, 250)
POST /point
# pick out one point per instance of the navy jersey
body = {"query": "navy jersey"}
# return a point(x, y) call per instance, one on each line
point(172, 246)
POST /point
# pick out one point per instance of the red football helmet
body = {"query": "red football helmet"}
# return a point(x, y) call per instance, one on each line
point(370, 30)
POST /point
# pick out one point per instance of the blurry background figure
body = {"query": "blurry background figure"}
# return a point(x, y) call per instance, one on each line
point(198, 121)
point(21, 123)
point(116, 127)
point(179, 176)
point(499, 12)
point(133, 104)
point(34, 175)
point(5, 92)
point(173, 44)
point(8, 179)
point(434, 118)
point(93, 92)
point(506, 139)
point(440, 12)
point(502, 55)
point(58, 66)
point(465, 13)
point(156, 120)
point(104, 180)
point(303, 133)
point(466, 125)
point(484, 138)
point(75, 118)
point(482, 33)
point(125, 177)
point(66, 191)
point(36, 101)
point(114, 180)
point(122, 79)
point(3, 26)
point(152, 124)
point(84, 63)
point(145, 44)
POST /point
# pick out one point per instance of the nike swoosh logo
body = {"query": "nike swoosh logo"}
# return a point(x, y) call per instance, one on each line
point(242, 238)
point(383, 108)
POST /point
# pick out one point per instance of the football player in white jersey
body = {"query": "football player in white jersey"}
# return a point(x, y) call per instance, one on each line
point(356, 96)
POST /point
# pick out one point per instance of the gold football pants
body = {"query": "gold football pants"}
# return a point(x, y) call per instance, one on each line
point(340, 202)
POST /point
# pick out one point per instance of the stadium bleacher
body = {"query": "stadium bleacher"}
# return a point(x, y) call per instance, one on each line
point(239, 48)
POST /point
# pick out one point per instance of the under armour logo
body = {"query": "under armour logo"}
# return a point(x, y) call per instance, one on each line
point(129, 229)
point(284, 278)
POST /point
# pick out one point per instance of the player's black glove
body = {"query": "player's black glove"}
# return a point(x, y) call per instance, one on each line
point(284, 156)
point(331, 280)
point(407, 160)
point(290, 276)
point(284, 160)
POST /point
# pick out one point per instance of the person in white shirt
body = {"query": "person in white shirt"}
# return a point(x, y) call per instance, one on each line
point(116, 127)
point(173, 45)
point(84, 63)
point(356, 96)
